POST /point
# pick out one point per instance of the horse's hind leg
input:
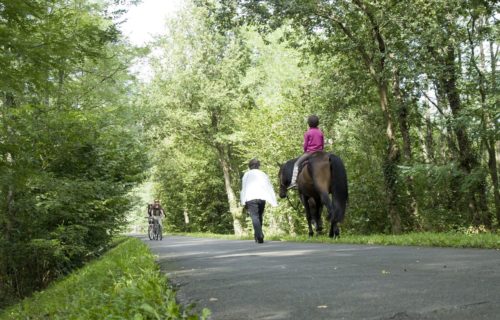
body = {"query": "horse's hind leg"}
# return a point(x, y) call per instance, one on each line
point(334, 230)
point(309, 224)
point(325, 199)
point(317, 217)
point(332, 217)
point(315, 207)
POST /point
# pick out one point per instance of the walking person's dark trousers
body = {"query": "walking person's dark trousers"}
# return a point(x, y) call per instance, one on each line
point(255, 209)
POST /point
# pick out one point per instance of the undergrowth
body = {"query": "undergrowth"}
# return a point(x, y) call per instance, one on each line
point(125, 283)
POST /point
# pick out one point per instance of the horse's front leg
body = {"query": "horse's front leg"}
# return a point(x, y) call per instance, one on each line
point(305, 202)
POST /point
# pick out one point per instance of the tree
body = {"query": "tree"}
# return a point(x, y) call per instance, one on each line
point(69, 148)
point(401, 47)
point(197, 90)
point(355, 26)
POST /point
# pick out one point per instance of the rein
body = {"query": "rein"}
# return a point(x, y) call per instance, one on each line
point(291, 204)
point(282, 185)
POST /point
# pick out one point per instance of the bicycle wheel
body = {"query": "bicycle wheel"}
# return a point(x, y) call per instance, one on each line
point(150, 232)
point(155, 228)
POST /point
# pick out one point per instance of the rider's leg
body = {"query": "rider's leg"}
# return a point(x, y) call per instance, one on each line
point(158, 220)
point(296, 167)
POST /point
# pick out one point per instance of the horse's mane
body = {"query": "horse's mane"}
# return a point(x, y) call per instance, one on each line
point(287, 170)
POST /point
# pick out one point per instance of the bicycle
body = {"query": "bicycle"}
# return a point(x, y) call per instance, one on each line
point(154, 229)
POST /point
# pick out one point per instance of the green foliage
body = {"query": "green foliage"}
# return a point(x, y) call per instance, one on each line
point(70, 146)
point(193, 104)
point(191, 186)
point(125, 283)
point(433, 63)
point(407, 95)
point(325, 58)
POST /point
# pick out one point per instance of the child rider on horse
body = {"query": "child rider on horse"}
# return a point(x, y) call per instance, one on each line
point(313, 141)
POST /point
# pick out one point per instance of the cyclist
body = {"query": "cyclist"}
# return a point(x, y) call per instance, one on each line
point(156, 212)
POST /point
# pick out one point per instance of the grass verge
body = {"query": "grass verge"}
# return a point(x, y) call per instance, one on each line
point(428, 239)
point(125, 283)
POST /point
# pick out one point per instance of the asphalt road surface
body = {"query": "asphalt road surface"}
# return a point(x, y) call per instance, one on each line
point(283, 280)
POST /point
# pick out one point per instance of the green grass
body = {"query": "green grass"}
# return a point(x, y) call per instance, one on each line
point(483, 240)
point(124, 284)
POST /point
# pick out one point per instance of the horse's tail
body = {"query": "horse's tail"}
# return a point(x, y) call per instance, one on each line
point(339, 188)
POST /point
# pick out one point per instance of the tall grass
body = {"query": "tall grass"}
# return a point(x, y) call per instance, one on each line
point(427, 239)
point(124, 284)
point(485, 240)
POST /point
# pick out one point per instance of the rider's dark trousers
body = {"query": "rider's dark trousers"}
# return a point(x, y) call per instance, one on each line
point(255, 209)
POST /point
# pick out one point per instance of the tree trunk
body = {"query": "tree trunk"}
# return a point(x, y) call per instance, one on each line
point(466, 156)
point(492, 166)
point(234, 208)
point(449, 132)
point(488, 136)
point(8, 188)
point(404, 127)
point(452, 199)
point(403, 118)
point(376, 69)
point(429, 140)
point(493, 160)
point(391, 162)
point(467, 160)
point(426, 139)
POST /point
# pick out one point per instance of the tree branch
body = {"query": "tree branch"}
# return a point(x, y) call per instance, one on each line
point(359, 46)
point(433, 103)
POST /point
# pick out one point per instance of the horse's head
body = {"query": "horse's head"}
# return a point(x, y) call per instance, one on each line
point(281, 183)
point(284, 178)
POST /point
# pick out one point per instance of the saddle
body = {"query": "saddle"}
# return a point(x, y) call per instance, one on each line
point(307, 160)
point(303, 164)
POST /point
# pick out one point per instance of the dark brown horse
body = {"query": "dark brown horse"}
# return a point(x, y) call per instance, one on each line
point(322, 174)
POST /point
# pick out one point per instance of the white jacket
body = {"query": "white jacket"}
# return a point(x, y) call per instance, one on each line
point(256, 186)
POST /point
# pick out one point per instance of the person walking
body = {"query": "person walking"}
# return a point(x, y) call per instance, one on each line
point(255, 191)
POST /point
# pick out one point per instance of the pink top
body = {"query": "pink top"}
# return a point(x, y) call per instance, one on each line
point(313, 140)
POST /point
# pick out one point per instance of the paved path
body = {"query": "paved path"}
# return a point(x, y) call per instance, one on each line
point(240, 280)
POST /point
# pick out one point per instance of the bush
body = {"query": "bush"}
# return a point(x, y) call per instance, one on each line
point(62, 200)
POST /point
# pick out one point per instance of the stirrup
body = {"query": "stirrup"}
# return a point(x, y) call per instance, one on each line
point(292, 186)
